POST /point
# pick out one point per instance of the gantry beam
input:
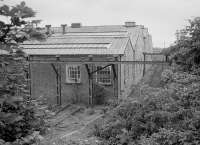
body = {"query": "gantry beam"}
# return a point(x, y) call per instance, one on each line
point(98, 62)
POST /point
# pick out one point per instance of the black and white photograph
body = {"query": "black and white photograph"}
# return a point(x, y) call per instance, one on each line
point(99, 72)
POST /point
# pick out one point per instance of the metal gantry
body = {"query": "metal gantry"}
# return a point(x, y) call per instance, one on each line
point(57, 61)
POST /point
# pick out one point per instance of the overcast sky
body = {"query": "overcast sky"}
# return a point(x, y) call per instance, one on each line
point(161, 17)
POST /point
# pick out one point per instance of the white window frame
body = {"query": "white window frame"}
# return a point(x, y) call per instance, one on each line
point(100, 79)
point(72, 69)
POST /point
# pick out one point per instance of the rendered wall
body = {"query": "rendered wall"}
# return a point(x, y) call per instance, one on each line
point(43, 83)
point(127, 71)
point(131, 74)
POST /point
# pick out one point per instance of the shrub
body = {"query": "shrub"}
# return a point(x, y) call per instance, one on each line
point(18, 116)
point(166, 75)
point(165, 116)
point(164, 137)
point(185, 52)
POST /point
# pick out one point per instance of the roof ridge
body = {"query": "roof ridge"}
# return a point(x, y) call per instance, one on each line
point(84, 37)
point(65, 43)
point(89, 26)
point(68, 26)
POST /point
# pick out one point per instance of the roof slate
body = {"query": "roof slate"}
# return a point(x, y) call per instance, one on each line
point(73, 46)
point(85, 40)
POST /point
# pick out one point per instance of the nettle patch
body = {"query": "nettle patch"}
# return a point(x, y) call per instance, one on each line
point(18, 115)
point(169, 116)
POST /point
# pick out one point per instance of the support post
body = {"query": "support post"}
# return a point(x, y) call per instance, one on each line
point(115, 80)
point(90, 90)
point(114, 71)
point(166, 58)
point(60, 84)
point(29, 75)
point(144, 65)
point(58, 81)
point(90, 81)
point(90, 86)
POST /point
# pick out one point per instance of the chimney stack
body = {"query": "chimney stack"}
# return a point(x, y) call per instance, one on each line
point(142, 26)
point(48, 27)
point(130, 24)
point(75, 25)
point(63, 28)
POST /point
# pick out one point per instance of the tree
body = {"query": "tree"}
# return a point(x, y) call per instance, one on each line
point(186, 50)
point(17, 116)
point(36, 22)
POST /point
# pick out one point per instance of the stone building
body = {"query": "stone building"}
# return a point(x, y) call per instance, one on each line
point(74, 59)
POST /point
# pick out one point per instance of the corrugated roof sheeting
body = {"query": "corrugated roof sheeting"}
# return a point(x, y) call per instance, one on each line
point(85, 40)
point(72, 52)
point(68, 46)
point(82, 46)
point(72, 40)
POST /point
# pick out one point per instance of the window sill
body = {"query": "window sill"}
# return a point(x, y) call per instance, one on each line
point(71, 83)
point(105, 84)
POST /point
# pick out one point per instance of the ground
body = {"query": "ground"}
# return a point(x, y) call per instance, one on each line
point(75, 123)
point(152, 78)
point(69, 123)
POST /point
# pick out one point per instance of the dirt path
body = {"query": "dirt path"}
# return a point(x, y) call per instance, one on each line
point(71, 123)
point(79, 125)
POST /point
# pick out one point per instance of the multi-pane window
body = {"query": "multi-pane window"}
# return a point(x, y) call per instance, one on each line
point(103, 76)
point(73, 74)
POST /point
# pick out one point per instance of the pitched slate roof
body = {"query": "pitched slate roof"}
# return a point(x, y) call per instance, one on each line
point(95, 40)
point(75, 46)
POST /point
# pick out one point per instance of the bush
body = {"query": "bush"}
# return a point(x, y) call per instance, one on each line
point(165, 116)
point(166, 75)
point(164, 137)
point(169, 116)
point(186, 50)
point(18, 115)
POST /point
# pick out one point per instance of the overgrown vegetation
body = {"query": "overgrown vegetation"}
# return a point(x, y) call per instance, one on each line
point(186, 50)
point(168, 115)
point(19, 122)
point(165, 116)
